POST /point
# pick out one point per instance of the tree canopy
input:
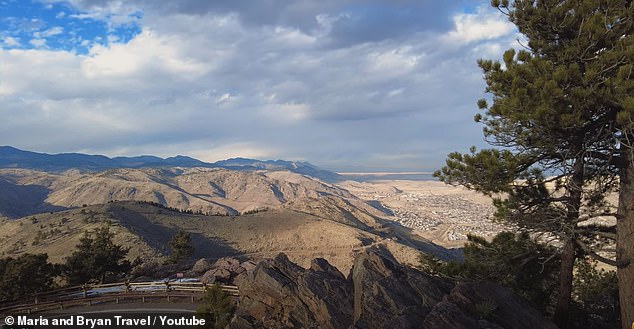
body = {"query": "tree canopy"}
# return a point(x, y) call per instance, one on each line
point(180, 246)
point(97, 258)
point(216, 308)
point(560, 116)
point(26, 275)
point(530, 268)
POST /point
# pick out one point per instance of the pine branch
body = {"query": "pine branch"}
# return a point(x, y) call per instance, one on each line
point(588, 250)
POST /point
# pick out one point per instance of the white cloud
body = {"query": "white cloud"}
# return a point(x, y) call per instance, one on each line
point(114, 13)
point(488, 50)
point(146, 51)
point(224, 98)
point(481, 25)
point(49, 32)
point(11, 41)
point(39, 43)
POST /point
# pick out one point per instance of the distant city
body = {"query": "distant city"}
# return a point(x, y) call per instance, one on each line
point(376, 176)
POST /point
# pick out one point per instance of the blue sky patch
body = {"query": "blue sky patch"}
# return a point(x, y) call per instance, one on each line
point(59, 26)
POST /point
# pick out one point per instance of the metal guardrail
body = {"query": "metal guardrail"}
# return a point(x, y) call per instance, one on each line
point(150, 291)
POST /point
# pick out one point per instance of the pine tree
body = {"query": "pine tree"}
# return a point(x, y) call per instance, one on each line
point(561, 113)
point(216, 308)
point(97, 258)
point(181, 246)
point(25, 275)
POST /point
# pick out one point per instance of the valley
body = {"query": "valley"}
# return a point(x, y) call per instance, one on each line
point(438, 212)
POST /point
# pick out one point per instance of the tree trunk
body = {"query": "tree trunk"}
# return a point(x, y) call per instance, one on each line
point(625, 242)
point(565, 284)
point(568, 254)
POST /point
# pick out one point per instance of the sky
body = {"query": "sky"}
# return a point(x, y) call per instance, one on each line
point(348, 85)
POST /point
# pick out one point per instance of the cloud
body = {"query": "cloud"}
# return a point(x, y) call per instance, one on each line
point(38, 43)
point(145, 52)
point(481, 25)
point(49, 32)
point(350, 21)
point(337, 83)
point(11, 41)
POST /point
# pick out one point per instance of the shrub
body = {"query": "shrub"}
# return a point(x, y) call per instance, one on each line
point(216, 308)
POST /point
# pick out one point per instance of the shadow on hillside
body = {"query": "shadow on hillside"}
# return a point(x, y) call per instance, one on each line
point(406, 236)
point(23, 200)
point(158, 235)
point(380, 207)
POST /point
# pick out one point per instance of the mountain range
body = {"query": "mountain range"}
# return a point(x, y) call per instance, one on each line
point(11, 157)
point(236, 207)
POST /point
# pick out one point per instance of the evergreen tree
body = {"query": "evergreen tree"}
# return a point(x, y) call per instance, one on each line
point(216, 308)
point(97, 258)
point(530, 268)
point(25, 276)
point(561, 113)
point(514, 260)
point(181, 246)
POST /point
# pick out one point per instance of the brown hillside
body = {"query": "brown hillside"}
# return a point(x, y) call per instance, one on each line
point(146, 230)
point(209, 191)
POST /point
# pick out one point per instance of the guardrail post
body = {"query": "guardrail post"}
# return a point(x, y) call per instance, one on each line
point(127, 286)
point(84, 288)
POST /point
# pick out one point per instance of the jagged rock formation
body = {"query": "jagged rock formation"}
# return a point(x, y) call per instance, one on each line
point(378, 293)
point(280, 294)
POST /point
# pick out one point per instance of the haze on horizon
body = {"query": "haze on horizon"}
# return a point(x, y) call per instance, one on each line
point(346, 85)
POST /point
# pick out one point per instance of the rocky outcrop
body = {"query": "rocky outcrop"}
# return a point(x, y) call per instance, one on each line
point(279, 294)
point(378, 293)
point(497, 304)
point(389, 295)
point(224, 270)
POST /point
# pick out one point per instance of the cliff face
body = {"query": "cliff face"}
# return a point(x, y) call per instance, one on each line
point(378, 293)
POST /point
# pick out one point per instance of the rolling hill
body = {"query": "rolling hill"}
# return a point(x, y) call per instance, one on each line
point(214, 191)
point(146, 228)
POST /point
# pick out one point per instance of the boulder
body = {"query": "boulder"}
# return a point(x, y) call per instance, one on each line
point(248, 265)
point(224, 270)
point(201, 266)
point(217, 275)
point(228, 263)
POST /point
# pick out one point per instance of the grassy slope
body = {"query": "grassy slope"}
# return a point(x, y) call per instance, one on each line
point(146, 230)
